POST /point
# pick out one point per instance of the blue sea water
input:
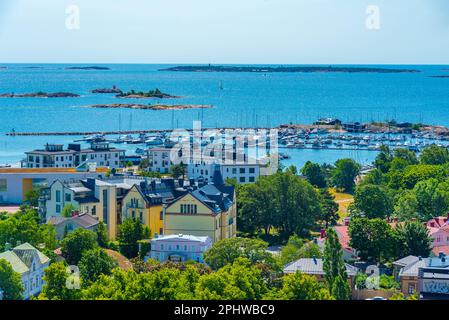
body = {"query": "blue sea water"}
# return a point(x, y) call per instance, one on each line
point(247, 99)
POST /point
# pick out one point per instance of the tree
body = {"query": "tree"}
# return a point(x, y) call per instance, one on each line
point(178, 170)
point(383, 159)
point(406, 207)
point(414, 238)
point(32, 197)
point(329, 209)
point(237, 281)
point(94, 263)
point(408, 156)
point(344, 174)
point(333, 264)
point(76, 243)
point(434, 155)
point(373, 201)
point(129, 233)
point(340, 289)
point(226, 251)
point(300, 286)
point(10, 282)
point(372, 238)
point(314, 174)
point(432, 198)
point(68, 209)
point(56, 279)
point(102, 235)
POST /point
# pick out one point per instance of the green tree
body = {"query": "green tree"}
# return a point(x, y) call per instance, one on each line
point(178, 170)
point(372, 238)
point(329, 209)
point(434, 155)
point(314, 174)
point(10, 282)
point(432, 198)
point(406, 207)
point(76, 243)
point(237, 281)
point(94, 263)
point(226, 251)
point(344, 174)
point(300, 286)
point(414, 238)
point(32, 197)
point(383, 159)
point(340, 289)
point(102, 235)
point(129, 233)
point(60, 283)
point(333, 263)
point(373, 201)
point(68, 209)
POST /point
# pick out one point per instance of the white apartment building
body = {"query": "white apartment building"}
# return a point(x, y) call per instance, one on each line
point(242, 173)
point(55, 156)
point(160, 160)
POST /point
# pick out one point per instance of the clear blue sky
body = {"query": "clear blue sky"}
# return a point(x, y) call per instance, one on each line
point(226, 31)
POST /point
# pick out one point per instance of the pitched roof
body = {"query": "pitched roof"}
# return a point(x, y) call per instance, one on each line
point(85, 221)
point(22, 256)
point(437, 250)
point(406, 261)
point(314, 266)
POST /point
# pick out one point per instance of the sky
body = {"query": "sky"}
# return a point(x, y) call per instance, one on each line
point(226, 31)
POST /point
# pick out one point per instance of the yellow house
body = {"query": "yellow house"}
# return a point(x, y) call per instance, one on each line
point(208, 211)
point(144, 201)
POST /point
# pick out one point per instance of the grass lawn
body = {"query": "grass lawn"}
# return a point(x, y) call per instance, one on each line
point(343, 200)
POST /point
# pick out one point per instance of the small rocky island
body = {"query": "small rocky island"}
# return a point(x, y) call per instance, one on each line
point(40, 94)
point(114, 89)
point(156, 93)
point(150, 107)
point(303, 69)
point(88, 68)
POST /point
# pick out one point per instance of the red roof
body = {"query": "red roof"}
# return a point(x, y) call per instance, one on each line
point(343, 236)
point(436, 250)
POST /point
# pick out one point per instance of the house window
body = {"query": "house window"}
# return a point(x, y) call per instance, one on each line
point(58, 208)
point(133, 214)
point(242, 179)
point(234, 170)
point(68, 197)
point(161, 231)
point(58, 196)
point(161, 215)
point(242, 170)
point(411, 288)
point(252, 179)
point(141, 216)
point(3, 185)
point(252, 170)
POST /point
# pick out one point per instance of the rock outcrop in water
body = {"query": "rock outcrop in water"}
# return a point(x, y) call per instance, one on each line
point(150, 107)
point(88, 68)
point(156, 93)
point(40, 95)
point(304, 69)
point(107, 90)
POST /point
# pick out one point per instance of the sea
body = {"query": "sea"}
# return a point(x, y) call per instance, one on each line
point(239, 99)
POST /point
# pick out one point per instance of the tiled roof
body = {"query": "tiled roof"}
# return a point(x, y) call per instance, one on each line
point(343, 236)
point(85, 221)
point(313, 266)
point(444, 249)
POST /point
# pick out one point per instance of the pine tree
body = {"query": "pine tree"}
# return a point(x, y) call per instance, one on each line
point(333, 263)
point(340, 289)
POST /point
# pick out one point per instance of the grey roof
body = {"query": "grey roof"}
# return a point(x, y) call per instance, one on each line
point(85, 221)
point(22, 256)
point(412, 270)
point(314, 266)
point(406, 261)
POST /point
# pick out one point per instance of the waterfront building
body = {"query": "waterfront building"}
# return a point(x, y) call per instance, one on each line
point(16, 182)
point(30, 263)
point(65, 225)
point(179, 248)
point(242, 173)
point(354, 126)
point(160, 160)
point(55, 156)
point(208, 210)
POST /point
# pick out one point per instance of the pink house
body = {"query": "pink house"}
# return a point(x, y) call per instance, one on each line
point(439, 231)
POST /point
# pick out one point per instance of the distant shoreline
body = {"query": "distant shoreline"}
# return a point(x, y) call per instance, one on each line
point(281, 69)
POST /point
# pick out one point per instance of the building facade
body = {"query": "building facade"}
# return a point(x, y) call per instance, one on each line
point(55, 156)
point(180, 248)
point(242, 173)
point(30, 263)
